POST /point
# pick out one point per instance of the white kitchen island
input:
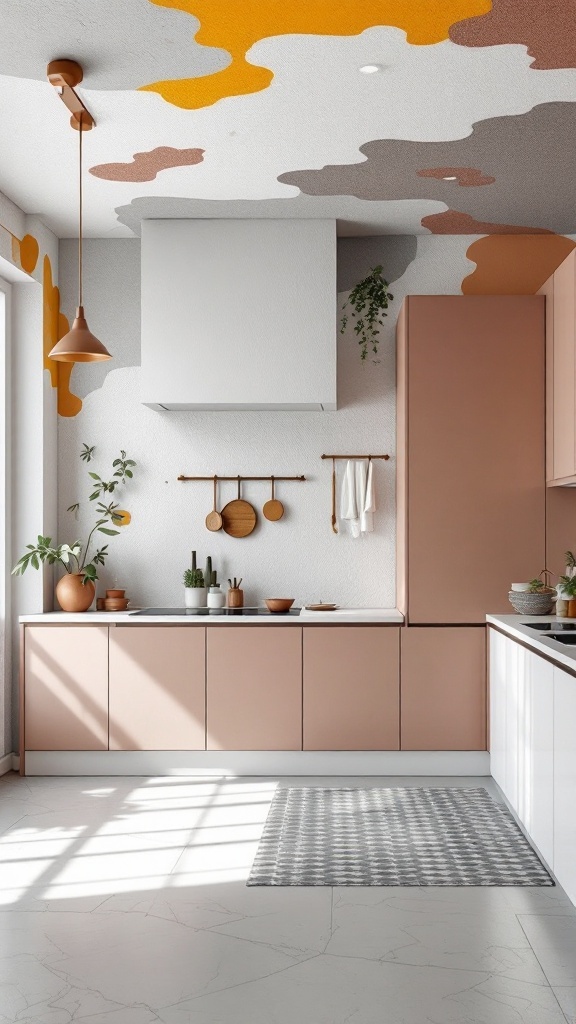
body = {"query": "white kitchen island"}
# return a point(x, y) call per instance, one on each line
point(533, 736)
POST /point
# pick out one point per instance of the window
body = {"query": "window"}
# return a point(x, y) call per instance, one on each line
point(5, 660)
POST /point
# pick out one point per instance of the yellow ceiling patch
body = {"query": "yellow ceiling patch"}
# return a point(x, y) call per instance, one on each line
point(55, 327)
point(237, 26)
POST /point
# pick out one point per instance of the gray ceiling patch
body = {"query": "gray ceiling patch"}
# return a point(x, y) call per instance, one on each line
point(531, 156)
point(353, 216)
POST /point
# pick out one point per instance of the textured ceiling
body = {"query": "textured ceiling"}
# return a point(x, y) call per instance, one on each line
point(258, 108)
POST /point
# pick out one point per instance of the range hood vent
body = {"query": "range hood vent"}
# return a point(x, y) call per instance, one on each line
point(239, 314)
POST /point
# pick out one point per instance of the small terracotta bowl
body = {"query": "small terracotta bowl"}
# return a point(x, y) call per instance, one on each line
point(279, 604)
point(115, 593)
point(115, 604)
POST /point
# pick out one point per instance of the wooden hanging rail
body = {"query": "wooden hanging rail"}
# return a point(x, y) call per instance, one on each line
point(216, 477)
point(354, 456)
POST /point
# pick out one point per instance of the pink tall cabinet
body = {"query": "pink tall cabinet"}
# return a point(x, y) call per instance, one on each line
point(471, 497)
point(559, 292)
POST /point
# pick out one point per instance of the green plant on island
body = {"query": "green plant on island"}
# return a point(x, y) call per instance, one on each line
point(570, 560)
point(568, 584)
point(74, 557)
point(193, 578)
point(541, 586)
point(368, 301)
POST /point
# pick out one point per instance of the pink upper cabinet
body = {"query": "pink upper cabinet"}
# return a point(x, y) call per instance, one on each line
point(471, 454)
point(560, 294)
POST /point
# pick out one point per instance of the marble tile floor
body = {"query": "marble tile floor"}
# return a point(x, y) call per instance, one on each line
point(123, 901)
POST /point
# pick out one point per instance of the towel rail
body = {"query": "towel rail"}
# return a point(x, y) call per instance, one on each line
point(354, 456)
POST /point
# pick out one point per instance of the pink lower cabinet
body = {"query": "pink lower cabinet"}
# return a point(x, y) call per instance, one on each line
point(443, 687)
point(351, 688)
point(66, 687)
point(254, 688)
point(157, 687)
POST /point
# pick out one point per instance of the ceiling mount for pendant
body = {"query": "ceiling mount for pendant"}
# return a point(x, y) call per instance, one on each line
point(79, 345)
point(64, 75)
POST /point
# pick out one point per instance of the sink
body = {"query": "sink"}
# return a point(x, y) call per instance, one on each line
point(563, 638)
point(551, 627)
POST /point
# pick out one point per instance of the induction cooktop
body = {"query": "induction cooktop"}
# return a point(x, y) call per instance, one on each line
point(228, 612)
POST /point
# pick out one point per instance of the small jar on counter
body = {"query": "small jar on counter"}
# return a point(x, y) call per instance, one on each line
point(235, 598)
point(216, 599)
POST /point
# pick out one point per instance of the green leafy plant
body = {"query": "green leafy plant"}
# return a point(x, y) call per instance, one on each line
point(568, 585)
point(123, 472)
point(570, 560)
point(74, 557)
point(369, 302)
point(541, 586)
point(193, 578)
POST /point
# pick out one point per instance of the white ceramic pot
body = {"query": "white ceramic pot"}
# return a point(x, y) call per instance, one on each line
point(195, 597)
point(216, 599)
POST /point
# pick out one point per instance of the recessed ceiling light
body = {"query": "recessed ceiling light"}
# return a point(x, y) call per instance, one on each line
point(369, 69)
point(451, 177)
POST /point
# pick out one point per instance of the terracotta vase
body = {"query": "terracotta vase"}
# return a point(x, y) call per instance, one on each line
point(72, 594)
point(572, 608)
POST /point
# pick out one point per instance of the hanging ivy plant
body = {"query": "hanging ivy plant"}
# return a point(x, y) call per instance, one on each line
point(369, 302)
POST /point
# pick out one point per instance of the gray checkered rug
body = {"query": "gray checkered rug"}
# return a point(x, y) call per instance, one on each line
point(404, 836)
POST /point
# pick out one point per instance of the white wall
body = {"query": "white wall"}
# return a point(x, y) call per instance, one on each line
point(297, 557)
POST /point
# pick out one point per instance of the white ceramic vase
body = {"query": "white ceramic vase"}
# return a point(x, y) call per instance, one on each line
point(216, 599)
point(195, 597)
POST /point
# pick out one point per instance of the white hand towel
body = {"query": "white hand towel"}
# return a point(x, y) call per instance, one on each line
point(369, 503)
point(349, 508)
point(360, 487)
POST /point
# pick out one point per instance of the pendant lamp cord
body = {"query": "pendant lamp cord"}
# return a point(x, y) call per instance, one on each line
point(80, 214)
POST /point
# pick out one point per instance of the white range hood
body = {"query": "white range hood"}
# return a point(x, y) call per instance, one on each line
point(239, 314)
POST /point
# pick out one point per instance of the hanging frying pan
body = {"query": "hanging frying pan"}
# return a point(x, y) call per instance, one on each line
point(273, 509)
point(238, 517)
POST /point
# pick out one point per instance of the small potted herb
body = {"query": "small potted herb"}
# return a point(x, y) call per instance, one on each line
point(567, 592)
point(194, 589)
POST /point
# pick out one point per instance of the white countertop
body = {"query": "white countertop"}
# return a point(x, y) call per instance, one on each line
point(514, 626)
point(341, 616)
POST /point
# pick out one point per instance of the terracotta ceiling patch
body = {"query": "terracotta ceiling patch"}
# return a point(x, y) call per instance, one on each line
point(145, 166)
point(235, 27)
point(452, 222)
point(514, 264)
point(533, 176)
point(546, 27)
point(462, 175)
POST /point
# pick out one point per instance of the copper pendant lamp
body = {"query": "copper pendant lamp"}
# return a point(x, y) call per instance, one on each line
point(79, 345)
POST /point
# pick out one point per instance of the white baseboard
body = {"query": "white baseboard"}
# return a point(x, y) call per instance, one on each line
point(258, 762)
point(9, 763)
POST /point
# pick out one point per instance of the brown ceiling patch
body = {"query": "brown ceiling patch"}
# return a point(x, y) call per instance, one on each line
point(514, 264)
point(145, 166)
point(453, 222)
point(463, 175)
point(546, 27)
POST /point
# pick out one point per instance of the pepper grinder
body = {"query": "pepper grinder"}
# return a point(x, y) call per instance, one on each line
point(235, 596)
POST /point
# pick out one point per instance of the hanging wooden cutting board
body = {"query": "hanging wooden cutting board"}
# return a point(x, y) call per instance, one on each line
point(238, 517)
